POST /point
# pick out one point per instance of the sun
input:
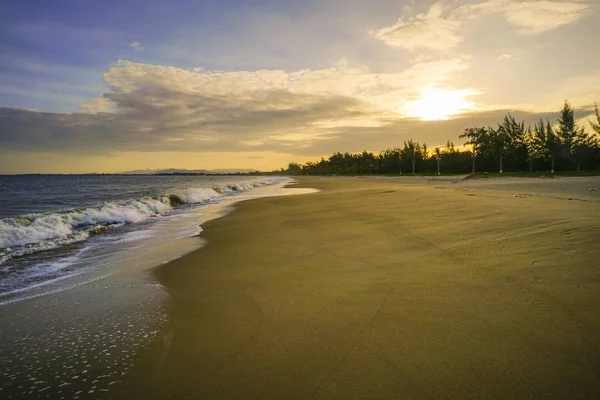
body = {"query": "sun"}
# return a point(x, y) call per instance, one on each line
point(439, 104)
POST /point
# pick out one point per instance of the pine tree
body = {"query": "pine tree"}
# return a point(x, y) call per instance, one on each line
point(584, 147)
point(534, 140)
point(510, 137)
point(478, 138)
point(568, 131)
point(498, 143)
point(553, 144)
point(596, 126)
point(411, 150)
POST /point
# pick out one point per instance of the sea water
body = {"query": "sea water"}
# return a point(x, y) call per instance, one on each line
point(57, 231)
point(78, 300)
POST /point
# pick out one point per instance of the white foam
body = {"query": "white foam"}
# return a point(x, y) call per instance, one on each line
point(56, 290)
point(136, 236)
point(199, 195)
point(154, 243)
point(29, 277)
point(8, 253)
point(40, 232)
point(38, 285)
point(38, 228)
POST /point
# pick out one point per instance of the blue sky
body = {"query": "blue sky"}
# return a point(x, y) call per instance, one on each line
point(65, 47)
point(266, 81)
point(55, 53)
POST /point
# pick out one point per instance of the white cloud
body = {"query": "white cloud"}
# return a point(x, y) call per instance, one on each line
point(507, 57)
point(579, 89)
point(137, 46)
point(434, 31)
point(153, 107)
point(99, 105)
point(530, 17)
point(430, 31)
point(382, 91)
point(535, 17)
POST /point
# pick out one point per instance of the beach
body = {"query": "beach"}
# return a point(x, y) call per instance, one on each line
point(405, 288)
point(75, 314)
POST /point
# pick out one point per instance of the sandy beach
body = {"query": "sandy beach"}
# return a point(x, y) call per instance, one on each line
point(395, 288)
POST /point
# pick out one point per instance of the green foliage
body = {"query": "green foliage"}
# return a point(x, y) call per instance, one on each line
point(512, 135)
point(576, 145)
point(567, 128)
point(596, 125)
point(294, 169)
point(541, 147)
point(477, 139)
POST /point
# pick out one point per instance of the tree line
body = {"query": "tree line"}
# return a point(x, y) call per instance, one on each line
point(511, 146)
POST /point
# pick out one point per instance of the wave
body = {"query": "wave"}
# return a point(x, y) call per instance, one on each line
point(39, 232)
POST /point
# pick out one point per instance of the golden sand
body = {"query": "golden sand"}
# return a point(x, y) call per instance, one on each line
point(386, 288)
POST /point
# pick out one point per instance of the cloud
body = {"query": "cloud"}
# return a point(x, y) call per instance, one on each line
point(81, 134)
point(137, 46)
point(430, 31)
point(585, 89)
point(385, 91)
point(153, 108)
point(433, 133)
point(507, 57)
point(530, 17)
point(540, 16)
point(160, 108)
point(434, 31)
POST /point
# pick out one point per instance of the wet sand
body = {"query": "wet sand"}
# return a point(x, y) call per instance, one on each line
point(398, 288)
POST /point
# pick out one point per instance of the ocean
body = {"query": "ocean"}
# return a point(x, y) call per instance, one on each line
point(57, 230)
point(78, 299)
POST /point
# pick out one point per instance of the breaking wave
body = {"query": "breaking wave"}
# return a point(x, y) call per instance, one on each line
point(38, 232)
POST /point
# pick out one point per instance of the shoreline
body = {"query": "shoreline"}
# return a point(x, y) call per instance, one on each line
point(303, 296)
point(80, 340)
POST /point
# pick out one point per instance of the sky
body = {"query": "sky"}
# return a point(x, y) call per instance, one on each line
point(90, 86)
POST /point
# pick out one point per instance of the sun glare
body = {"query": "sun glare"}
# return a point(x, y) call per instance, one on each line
point(438, 104)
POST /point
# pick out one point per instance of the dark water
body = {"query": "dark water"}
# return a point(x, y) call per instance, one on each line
point(78, 301)
point(54, 228)
point(25, 194)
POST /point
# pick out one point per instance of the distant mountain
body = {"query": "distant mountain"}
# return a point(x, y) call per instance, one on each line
point(176, 171)
point(232, 171)
point(139, 172)
point(170, 171)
